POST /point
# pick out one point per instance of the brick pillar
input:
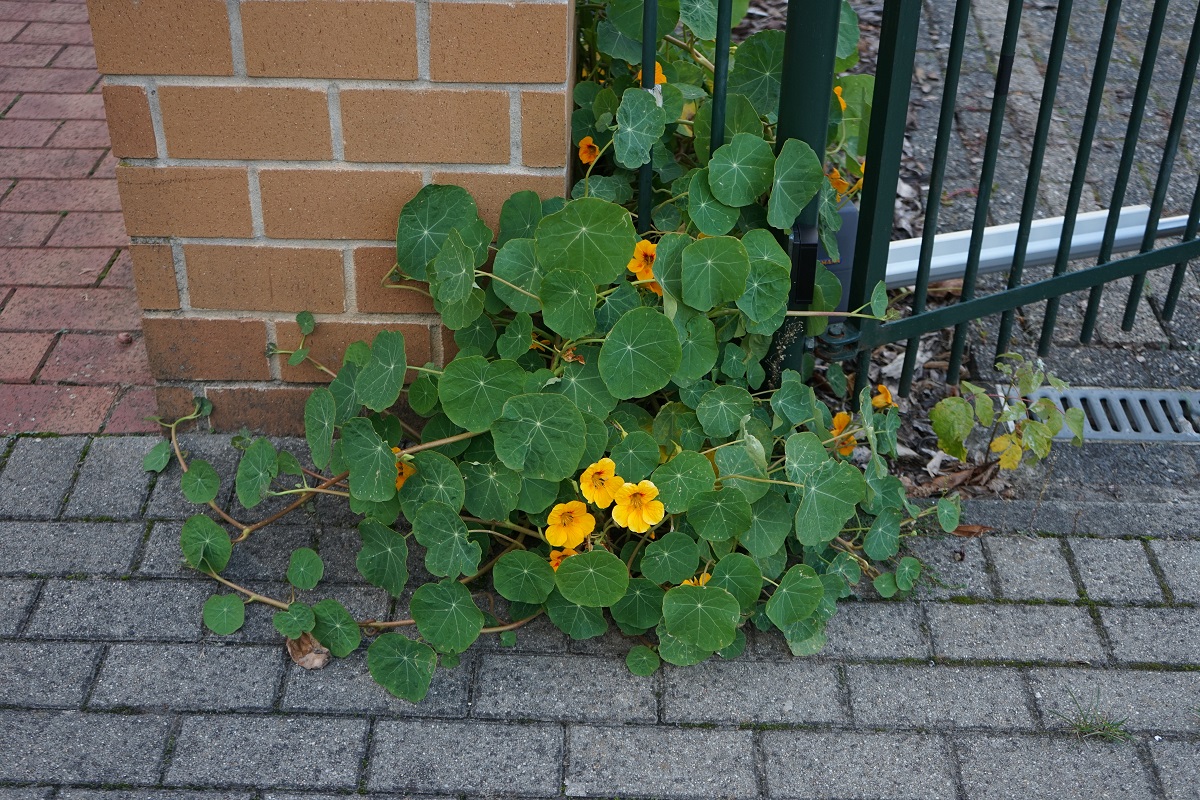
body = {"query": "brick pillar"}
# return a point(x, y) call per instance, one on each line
point(267, 148)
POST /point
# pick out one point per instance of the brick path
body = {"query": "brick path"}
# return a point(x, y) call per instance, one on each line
point(71, 353)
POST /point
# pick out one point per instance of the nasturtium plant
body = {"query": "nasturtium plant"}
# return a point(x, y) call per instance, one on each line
point(605, 444)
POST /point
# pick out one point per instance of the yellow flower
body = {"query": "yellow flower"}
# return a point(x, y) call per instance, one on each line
point(588, 151)
point(559, 556)
point(840, 421)
point(659, 77)
point(839, 184)
point(636, 508)
point(838, 91)
point(884, 398)
point(700, 581)
point(599, 482)
point(569, 524)
point(404, 470)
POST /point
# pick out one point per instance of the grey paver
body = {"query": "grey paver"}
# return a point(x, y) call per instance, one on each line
point(660, 763)
point(449, 758)
point(1167, 635)
point(1116, 570)
point(938, 697)
point(952, 566)
point(810, 764)
point(1156, 701)
point(188, 677)
point(1097, 518)
point(1013, 632)
point(345, 683)
point(111, 482)
point(151, 794)
point(1027, 768)
point(116, 610)
point(1031, 568)
point(46, 674)
point(16, 597)
point(867, 631)
point(1178, 764)
point(264, 556)
point(1180, 562)
point(64, 548)
point(743, 691)
point(603, 690)
point(38, 475)
point(278, 751)
point(167, 500)
point(76, 747)
point(25, 794)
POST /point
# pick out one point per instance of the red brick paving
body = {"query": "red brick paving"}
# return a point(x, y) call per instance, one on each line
point(72, 358)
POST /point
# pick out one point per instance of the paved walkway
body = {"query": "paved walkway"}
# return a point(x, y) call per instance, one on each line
point(71, 354)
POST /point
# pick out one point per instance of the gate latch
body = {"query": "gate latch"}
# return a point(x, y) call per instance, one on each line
point(802, 247)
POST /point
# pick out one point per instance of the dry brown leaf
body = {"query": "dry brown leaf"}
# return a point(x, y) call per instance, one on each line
point(972, 531)
point(308, 652)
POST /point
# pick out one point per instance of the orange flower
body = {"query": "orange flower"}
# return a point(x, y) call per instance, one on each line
point(700, 581)
point(599, 482)
point(588, 151)
point(884, 398)
point(839, 184)
point(642, 265)
point(569, 524)
point(559, 556)
point(838, 91)
point(840, 421)
point(636, 508)
point(659, 77)
point(404, 470)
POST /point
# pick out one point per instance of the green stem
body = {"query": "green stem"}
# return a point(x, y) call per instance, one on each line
point(509, 284)
point(429, 370)
point(701, 60)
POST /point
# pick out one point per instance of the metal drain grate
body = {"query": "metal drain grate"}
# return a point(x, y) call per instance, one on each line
point(1131, 415)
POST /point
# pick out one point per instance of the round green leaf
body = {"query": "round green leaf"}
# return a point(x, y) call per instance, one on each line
point(583, 385)
point(524, 577)
point(675, 424)
point(720, 516)
point(671, 559)
point(827, 501)
point(796, 597)
point(627, 16)
point(371, 461)
point(320, 415)
point(453, 271)
point(404, 667)
point(641, 607)
point(721, 410)
point(698, 343)
point(798, 178)
point(640, 354)
point(907, 573)
point(224, 613)
point(635, 456)
point(588, 234)
point(158, 457)
point(703, 616)
point(492, 489)
point(426, 221)
point(736, 649)
point(257, 468)
point(643, 661)
point(578, 622)
point(473, 390)
point(756, 72)
point(770, 523)
point(948, 512)
point(883, 539)
point(519, 217)
point(458, 315)
point(295, 622)
point(676, 651)
point(640, 123)
point(446, 616)
point(681, 479)
point(517, 337)
point(335, 628)
point(479, 336)
point(437, 478)
point(201, 482)
point(770, 278)
point(516, 262)
point(383, 557)
point(740, 576)
point(739, 465)
point(740, 171)
point(569, 303)
point(305, 568)
point(540, 436)
point(205, 544)
point(595, 579)
point(740, 117)
point(709, 214)
point(700, 16)
point(450, 550)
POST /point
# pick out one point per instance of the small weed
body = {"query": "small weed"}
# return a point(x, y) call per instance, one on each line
point(1092, 723)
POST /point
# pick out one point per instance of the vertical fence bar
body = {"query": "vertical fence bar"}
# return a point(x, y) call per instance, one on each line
point(1128, 150)
point(649, 61)
point(1087, 134)
point(991, 151)
point(721, 73)
point(1189, 233)
point(889, 117)
point(1033, 182)
point(933, 205)
point(1165, 168)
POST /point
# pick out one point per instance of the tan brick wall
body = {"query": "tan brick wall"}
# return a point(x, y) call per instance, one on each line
point(268, 147)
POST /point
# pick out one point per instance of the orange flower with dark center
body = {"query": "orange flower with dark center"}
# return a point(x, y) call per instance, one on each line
point(559, 556)
point(636, 507)
point(569, 524)
point(642, 265)
point(404, 469)
point(588, 151)
point(839, 184)
point(840, 422)
point(884, 399)
point(600, 482)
